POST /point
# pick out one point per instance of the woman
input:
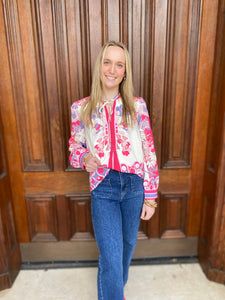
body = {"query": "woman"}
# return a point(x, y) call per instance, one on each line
point(111, 138)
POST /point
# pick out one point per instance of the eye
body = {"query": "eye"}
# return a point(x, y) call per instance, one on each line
point(120, 65)
point(106, 62)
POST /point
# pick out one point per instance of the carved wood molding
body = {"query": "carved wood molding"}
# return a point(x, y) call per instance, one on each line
point(72, 60)
point(81, 224)
point(30, 105)
point(42, 217)
point(173, 214)
point(183, 25)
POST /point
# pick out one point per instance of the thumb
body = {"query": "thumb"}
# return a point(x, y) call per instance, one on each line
point(142, 213)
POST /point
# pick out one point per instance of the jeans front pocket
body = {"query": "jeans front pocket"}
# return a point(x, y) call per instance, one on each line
point(137, 184)
point(103, 190)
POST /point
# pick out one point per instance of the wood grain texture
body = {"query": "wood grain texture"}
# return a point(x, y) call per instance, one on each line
point(49, 49)
point(180, 82)
point(3, 257)
point(43, 17)
point(67, 182)
point(158, 56)
point(42, 217)
point(67, 39)
point(67, 251)
point(173, 215)
point(217, 260)
point(2, 156)
point(31, 110)
point(72, 61)
point(10, 253)
point(81, 225)
point(10, 131)
point(212, 232)
point(205, 73)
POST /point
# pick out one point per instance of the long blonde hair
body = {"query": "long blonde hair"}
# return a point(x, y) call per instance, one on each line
point(125, 89)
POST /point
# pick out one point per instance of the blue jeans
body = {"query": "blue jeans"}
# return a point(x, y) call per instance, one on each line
point(116, 206)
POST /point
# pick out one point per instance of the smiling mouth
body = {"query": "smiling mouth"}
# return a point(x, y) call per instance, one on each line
point(110, 77)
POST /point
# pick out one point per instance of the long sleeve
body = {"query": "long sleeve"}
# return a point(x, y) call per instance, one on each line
point(77, 141)
point(151, 175)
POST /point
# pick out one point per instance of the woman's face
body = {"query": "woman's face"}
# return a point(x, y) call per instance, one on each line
point(113, 68)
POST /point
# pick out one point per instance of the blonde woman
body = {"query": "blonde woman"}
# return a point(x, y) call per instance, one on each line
point(111, 138)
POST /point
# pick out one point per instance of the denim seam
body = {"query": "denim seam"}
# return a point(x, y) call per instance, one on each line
point(120, 188)
point(100, 279)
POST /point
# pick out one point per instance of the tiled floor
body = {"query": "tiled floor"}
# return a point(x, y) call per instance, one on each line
point(153, 282)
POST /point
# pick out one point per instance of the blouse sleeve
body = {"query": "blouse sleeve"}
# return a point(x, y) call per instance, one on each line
point(151, 174)
point(77, 141)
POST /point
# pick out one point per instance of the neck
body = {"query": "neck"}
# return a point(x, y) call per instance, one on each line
point(109, 100)
point(110, 95)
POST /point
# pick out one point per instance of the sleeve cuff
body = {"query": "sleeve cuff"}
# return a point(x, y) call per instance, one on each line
point(82, 158)
point(151, 195)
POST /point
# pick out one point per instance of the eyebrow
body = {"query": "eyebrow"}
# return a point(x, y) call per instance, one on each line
point(117, 61)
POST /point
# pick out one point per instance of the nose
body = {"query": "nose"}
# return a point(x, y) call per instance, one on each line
point(112, 68)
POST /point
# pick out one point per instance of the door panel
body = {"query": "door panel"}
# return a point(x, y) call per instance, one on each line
point(10, 252)
point(9, 121)
point(50, 51)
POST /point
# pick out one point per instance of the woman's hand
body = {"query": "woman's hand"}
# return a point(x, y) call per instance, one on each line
point(147, 211)
point(92, 163)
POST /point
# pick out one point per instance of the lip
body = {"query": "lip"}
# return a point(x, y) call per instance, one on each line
point(111, 78)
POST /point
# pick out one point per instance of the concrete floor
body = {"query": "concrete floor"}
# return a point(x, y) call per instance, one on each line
point(164, 282)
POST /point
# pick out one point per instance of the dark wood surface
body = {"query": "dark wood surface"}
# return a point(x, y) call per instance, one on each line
point(10, 259)
point(50, 58)
point(87, 250)
point(212, 232)
point(48, 49)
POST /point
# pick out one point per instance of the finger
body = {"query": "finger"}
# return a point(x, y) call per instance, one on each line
point(90, 162)
point(97, 161)
point(150, 212)
point(147, 212)
point(91, 165)
point(93, 161)
point(143, 212)
point(91, 168)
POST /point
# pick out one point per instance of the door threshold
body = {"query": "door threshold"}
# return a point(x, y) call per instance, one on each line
point(44, 255)
point(46, 265)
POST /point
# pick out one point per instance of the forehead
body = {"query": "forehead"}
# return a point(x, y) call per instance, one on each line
point(115, 53)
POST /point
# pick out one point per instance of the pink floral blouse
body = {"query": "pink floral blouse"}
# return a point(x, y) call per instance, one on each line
point(118, 146)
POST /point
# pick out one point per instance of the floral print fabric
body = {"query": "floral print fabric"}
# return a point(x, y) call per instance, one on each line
point(133, 145)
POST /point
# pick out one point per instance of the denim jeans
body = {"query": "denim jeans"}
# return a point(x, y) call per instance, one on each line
point(116, 205)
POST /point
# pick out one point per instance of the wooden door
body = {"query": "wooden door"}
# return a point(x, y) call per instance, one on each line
point(212, 230)
point(48, 50)
point(9, 247)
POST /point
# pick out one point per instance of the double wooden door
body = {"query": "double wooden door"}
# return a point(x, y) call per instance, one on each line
point(48, 49)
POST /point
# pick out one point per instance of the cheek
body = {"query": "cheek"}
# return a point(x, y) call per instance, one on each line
point(104, 69)
point(102, 72)
point(121, 73)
